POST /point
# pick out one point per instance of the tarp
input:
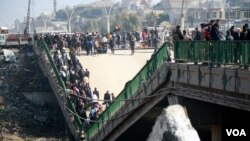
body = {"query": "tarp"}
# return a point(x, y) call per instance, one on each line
point(9, 55)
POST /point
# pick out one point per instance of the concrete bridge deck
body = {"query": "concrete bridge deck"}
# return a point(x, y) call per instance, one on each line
point(174, 81)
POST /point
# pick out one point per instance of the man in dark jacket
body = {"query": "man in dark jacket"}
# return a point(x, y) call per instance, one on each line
point(96, 92)
point(236, 35)
point(177, 34)
point(215, 32)
point(107, 99)
point(243, 34)
point(248, 31)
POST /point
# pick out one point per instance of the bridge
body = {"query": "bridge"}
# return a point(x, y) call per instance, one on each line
point(210, 79)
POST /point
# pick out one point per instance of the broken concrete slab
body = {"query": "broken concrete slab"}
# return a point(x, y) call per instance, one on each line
point(9, 55)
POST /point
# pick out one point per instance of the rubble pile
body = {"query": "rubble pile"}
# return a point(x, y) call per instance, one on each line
point(19, 118)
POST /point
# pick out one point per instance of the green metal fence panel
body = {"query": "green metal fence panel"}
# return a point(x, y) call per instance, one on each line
point(246, 54)
point(216, 52)
point(130, 89)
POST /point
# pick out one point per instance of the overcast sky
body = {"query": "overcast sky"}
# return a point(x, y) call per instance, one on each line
point(10, 10)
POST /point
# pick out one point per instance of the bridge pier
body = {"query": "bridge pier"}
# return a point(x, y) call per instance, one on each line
point(173, 99)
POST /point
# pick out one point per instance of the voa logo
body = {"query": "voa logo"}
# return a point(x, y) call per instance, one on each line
point(236, 132)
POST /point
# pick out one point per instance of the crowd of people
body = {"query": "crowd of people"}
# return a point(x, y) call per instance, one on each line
point(67, 47)
point(211, 31)
point(76, 79)
point(97, 43)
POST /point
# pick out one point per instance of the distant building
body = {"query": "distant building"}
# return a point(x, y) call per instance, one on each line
point(195, 11)
point(17, 26)
point(51, 26)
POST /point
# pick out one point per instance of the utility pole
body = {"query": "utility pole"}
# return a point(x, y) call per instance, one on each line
point(182, 15)
point(54, 6)
point(228, 14)
point(69, 18)
point(199, 14)
point(108, 13)
point(26, 31)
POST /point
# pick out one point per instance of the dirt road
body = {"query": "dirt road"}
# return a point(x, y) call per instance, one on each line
point(112, 71)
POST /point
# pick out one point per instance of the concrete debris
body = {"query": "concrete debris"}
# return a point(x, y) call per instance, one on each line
point(9, 55)
point(173, 125)
point(20, 117)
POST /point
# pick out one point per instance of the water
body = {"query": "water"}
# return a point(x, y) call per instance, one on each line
point(173, 125)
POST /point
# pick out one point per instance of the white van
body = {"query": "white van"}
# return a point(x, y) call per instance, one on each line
point(3, 40)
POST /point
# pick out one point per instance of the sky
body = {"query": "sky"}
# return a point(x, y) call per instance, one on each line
point(10, 10)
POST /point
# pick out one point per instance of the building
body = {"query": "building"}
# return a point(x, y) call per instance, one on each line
point(194, 11)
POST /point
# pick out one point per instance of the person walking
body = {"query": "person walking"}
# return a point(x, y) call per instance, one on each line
point(132, 43)
point(156, 39)
point(112, 43)
point(107, 99)
point(96, 92)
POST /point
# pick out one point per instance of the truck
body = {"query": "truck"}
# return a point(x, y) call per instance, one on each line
point(12, 40)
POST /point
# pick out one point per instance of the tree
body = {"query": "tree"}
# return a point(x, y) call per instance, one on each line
point(163, 17)
point(151, 19)
point(133, 18)
point(60, 14)
point(126, 21)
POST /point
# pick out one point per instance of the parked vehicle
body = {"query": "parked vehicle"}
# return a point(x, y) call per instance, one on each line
point(13, 40)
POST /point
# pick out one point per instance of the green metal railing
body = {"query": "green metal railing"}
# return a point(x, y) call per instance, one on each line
point(214, 52)
point(41, 44)
point(130, 89)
